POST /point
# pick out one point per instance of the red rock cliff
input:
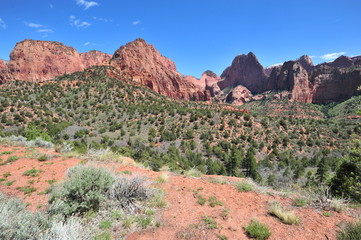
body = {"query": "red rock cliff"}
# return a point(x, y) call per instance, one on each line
point(247, 71)
point(141, 62)
point(33, 60)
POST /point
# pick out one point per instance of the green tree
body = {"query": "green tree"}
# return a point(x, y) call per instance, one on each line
point(347, 181)
point(322, 170)
point(250, 165)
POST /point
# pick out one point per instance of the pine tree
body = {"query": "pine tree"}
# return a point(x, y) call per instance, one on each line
point(322, 170)
point(250, 165)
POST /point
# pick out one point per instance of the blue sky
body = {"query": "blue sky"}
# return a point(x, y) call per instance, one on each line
point(197, 34)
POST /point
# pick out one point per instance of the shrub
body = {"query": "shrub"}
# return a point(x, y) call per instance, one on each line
point(17, 223)
point(243, 186)
point(43, 158)
point(69, 230)
point(338, 204)
point(162, 178)
point(352, 231)
point(193, 173)
point(300, 202)
point(126, 191)
point(285, 216)
point(258, 230)
point(83, 191)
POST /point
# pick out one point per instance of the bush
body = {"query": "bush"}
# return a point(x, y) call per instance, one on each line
point(69, 230)
point(126, 191)
point(347, 181)
point(256, 229)
point(285, 216)
point(352, 231)
point(244, 186)
point(17, 223)
point(300, 202)
point(83, 191)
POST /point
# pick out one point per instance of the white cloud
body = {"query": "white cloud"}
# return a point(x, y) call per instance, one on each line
point(78, 23)
point(46, 30)
point(275, 65)
point(34, 25)
point(2, 24)
point(102, 19)
point(136, 22)
point(87, 4)
point(331, 56)
point(86, 44)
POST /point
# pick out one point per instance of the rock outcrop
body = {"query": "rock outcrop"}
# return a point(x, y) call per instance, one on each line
point(35, 61)
point(94, 57)
point(306, 63)
point(141, 62)
point(2, 64)
point(239, 95)
point(334, 83)
point(292, 77)
point(247, 71)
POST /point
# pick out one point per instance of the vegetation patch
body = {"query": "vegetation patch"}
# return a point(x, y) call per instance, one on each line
point(352, 231)
point(258, 230)
point(277, 210)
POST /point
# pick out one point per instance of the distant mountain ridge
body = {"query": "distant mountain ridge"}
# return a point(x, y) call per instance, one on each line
point(37, 61)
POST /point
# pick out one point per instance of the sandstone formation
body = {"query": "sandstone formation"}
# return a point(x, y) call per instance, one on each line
point(334, 81)
point(141, 62)
point(291, 77)
point(306, 63)
point(42, 60)
point(37, 61)
point(2, 64)
point(239, 95)
point(247, 71)
point(94, 57)
point(33, 60)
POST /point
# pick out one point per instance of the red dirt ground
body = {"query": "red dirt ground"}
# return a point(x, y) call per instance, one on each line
point(182, 219)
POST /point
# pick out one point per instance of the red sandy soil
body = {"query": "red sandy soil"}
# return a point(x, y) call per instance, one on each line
point(182, 219)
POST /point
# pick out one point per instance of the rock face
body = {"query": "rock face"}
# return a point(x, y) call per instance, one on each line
point(42, 60)
point(335, 81)
point(306, 63)
point(291, 77)
point(94, 57)
point(2, 64)
point(239, 95)
point(33, 60)
point(141, 62)
point(247, 71)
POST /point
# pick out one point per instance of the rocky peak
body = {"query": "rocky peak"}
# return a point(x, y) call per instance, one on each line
point(342, 62)
point(140, 49)
point(306, 62)
point(245, 70)
point(144, 64)
point(210, 73)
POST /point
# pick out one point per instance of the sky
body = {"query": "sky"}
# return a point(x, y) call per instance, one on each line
point(197, 35)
